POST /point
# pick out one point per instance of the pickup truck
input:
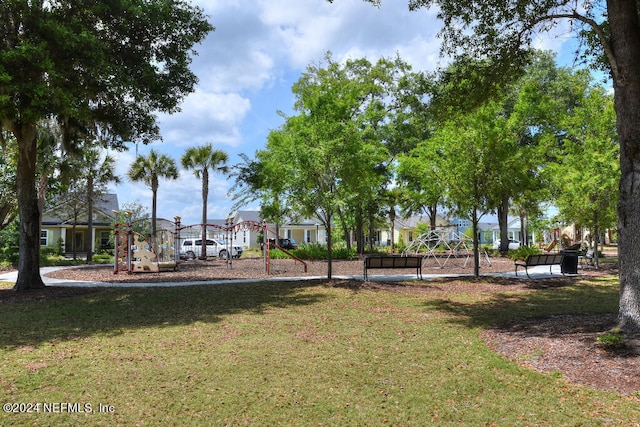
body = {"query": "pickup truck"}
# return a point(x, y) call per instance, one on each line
point(190, 249)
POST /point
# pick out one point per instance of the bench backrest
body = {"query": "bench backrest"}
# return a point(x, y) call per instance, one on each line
point(393, 262)
point(544, 259)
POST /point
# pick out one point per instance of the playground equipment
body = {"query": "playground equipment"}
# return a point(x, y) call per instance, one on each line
point(443, 246)
point(138, 250)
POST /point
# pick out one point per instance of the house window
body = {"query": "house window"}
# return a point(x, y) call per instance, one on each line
point(44, 237)
point(105, 236)
point(308, 233)
point(411, 236)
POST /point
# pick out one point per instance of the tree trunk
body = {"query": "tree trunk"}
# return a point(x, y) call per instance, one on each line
point(503, 224)
point(625, 43)
point(476, 243)
point(29, 250)
point(205, 200)
point(154, 206)
point(327, 228)
point(346, 233)
point(359, 233)
point(524, 232)
point(90, 239)
point(433, 216)
point(371, 232)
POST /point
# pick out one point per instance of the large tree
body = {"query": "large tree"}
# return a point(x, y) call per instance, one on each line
point(200, 160)
point(610, 31)
point(471, 153)
point(115, 63)
point(588, 168)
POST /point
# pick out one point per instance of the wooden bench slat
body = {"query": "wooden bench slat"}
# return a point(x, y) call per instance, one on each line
point(380, 262)
point(539, 259)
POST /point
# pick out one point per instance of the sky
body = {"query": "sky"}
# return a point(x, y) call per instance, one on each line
point(246, 69)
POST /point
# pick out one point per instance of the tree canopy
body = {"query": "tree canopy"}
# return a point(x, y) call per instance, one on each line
point(610, 35)
point(111, 63)
point(150, 169)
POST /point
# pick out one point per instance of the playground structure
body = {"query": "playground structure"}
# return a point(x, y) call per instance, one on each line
point(138, 249)
point(443, 246)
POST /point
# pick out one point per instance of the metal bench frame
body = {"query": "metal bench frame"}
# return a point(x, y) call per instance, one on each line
point(539, 259)
point(393, 262)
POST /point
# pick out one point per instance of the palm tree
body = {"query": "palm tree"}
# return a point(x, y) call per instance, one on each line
point(97, 172)
point(200, 160)
point(149, 170)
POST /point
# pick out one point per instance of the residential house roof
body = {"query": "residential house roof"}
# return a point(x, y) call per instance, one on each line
point(58, 213)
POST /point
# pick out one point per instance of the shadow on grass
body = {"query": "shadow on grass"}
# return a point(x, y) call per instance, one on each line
point(578, 297)
point(71, 313)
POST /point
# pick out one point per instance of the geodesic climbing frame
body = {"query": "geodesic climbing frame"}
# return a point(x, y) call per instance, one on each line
point(442, 246)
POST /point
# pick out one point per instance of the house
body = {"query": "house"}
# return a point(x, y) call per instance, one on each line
point(514, 231)
point(70, 223)
point(407, 229)
point(309, 230)
point(248, 238)
point(485, 229)
point(304, 231)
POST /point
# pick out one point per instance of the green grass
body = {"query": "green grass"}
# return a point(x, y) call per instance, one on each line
point(292, 354)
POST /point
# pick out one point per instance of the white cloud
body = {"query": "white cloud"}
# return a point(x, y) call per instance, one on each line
point(247, 66)
point(206, 117)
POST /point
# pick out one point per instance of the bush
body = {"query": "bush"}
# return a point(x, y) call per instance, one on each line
point(46, 251)
point(523, 252)
point(611, 340)
point(60, 246)
point(312, 251)
point(9, 254)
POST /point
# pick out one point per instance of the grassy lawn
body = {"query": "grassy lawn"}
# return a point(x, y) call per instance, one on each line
point(291, 354)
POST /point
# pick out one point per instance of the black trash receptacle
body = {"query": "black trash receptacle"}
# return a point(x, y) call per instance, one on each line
point(569, 262)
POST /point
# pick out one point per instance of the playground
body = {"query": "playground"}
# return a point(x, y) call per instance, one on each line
point(160, 245)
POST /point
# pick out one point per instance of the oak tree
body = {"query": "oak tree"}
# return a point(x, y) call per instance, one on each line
point(113, 63)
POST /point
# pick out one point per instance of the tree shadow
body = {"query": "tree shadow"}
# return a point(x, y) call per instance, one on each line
point(540, 299)
point(62, 313)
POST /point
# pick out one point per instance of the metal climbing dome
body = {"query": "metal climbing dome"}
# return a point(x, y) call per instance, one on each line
point(443, 247)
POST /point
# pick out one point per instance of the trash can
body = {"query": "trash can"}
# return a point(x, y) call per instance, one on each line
point(569, 262)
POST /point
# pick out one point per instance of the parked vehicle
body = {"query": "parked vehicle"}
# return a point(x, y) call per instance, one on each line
point(288, 244)
point(513, 244)
point(283, 243)
point(190, 249)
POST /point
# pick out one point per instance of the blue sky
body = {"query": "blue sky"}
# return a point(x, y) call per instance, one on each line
point(246, 68)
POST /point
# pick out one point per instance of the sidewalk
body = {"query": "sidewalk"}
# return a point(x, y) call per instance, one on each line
point(539, 272)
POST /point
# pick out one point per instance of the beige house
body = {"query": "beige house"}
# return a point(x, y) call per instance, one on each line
point(302, 231)
point(71, 224)
point(406, 229)
point(312, 231)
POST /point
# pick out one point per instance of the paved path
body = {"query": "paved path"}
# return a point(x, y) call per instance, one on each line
point(538, 272)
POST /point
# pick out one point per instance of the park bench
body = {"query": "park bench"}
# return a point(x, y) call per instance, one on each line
point(586, 258)
point(393, 262)
point(540, 259)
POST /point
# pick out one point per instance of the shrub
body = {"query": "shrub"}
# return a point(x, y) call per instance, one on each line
point(523, 252)
point(59, 246)
point(313, 251)
point(611, 340)
point(48, 251)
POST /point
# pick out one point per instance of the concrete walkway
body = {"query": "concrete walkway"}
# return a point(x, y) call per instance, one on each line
point(539, 272)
